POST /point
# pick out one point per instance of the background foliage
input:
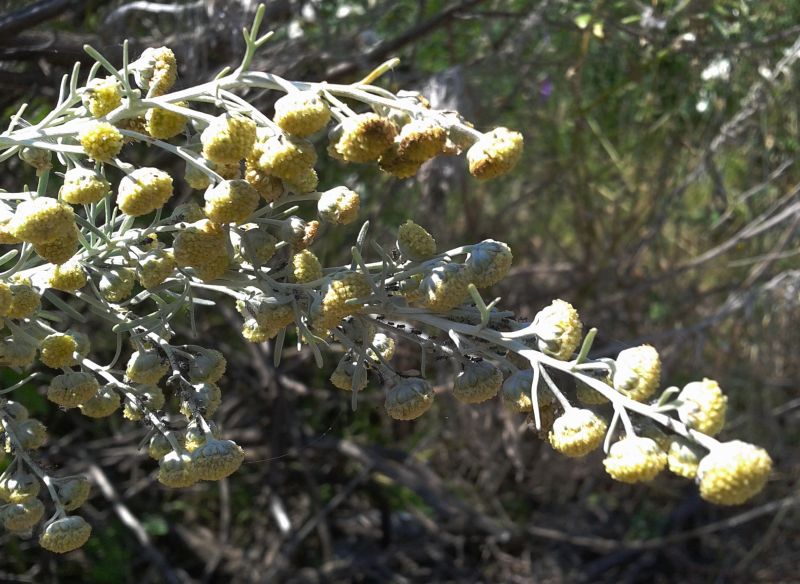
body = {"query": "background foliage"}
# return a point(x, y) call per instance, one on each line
point(659, 193)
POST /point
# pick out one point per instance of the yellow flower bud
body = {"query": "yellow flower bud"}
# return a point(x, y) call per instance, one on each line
point(6, 298)
point(208, 365)
point(176, 470)
point(305, 181)
point(203, 247)
point(269, 187)
point(66, 534)
point(635, 459)
point(73, 492)
point(22, 516)
point(478, 382)
point(488, 262)
point(31, 435)
point(101, 96)
point(231, 201)
point(702, 406)
point(101, 141)
point(41, 220)
point(25, 300)
point(365, 137)
point(228, 139)
point(414, 242)
point(733, 472)
point(286, 157)
point(393, 163)
point(116, 284)
point(342, 376)
point(577, 432)
point(155, 267)
point(683, 458)
point(149, 398)
point(146, 367)
point(444, 287)
point(257, 245)
point(495, 153)
point(19, 486)
point(58, 251)
point(638, 372)
point(164, 124)
point(83, 186)
point(38, 158)
point(102, 404)
point(144, 190)
point(558, 329)
point(301, 113)
point(421, 140)
point(409, 399)
point(305, 267)
point(56, 350)
point(155, 71)
point(339, 205)
point(217, 459)
point(71, 389)
point(334, 307)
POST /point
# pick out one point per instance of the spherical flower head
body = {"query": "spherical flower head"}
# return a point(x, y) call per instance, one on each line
point(414, 242)
point(58, 251)
point(19, 486)
point(70, 390)
point(67, 277)
point(38, 158)
point(164, 124)
point(56, 350)
point(257, 246)
point(101, 96)
point(301, 113)
point(577, 432)
point(144, 190)
point(702, 406)
point(155, 267)
point(73, 492)
point(203, 247)
point(305, 267)
point(217, 459)
point(231, 201)
point(495, 153)
point(635, 460)
point(409, 399)
point(445, 287)
point(228, 139)
point(207, 365)
point(65, 534)
point(100, 141)
point(477, 383)
point(683, 458)
point(204, 398)
point(195, 435)
point(19, 517)
point(285, 156)
point(638, 372)
point(342, 288)
point(146, 367)
point(159, 445)
point(155, 71)
point(16, 352)
point(305, 181)
point(516, 392)
point(342, 376)
point(149, 398)
point(733, 472)
point(6, 238)
point(265, 317)
point(365, 137)
point(102, 404)
point(41, 220)
point(339, 205)
point(83, 186)
point(116, 284)
point(269, 187)
point(391, 162)
point(177, 470)
point(421, 140)
point(558, 329)
point(488, 262)
point(6, 298)
point(31, 435)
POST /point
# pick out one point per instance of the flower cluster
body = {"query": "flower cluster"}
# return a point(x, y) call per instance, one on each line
point(135, 256)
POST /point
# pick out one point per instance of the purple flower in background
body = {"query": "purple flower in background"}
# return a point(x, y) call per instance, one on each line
point(545, 89)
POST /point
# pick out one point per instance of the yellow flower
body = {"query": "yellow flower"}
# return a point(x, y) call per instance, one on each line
point(58, 251)
point(558, 329)
point(495, 153)
point(516, 392)
point(101, 141)
point(269, 187)
point(342, 376)
point(683, 458)
point(217, 459)
point(25, 300)
point(365, 137)
point(393, 163)
point(733, 472)
point(116, 284)
point(203, 247)
point(488, 262)
point(16, 352)
point(409, 399)
point(177, 470)
point(638, 372)
point(231, 201)
point(577, 432)
point(155, 267)
point(305, 267)
point(265, 317)
point(301, 113)
point(144, 190)
point(22, 516)
point(228, 139)
point(305, 181)
point(42, 220)
point(635, 459)
point(478, 382)
point(156, 70)
point(65, 534)
point(339, 205)
point(146, 367)
point(56, 350)
point(71, 389)
point(102, 404)
point(164, 124)
point(207, 365)
point(415, 242)
point(148, 398)
point(444, 287)
point(73, 492)
point(102, 96)
point(257, 245)
point(286, 157)
point(421, 140)
point(702, 406)
point(343, 287)
point(83, 186)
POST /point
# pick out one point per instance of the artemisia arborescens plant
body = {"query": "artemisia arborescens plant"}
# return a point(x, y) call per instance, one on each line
point(135, 261)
